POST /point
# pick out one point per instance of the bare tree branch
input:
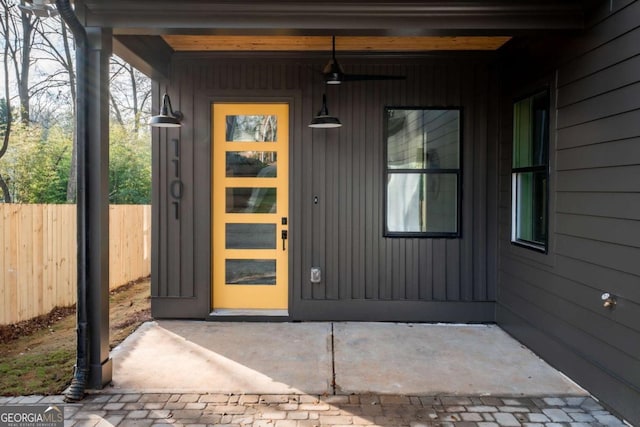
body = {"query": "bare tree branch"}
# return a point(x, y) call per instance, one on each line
point(116, 110)
point(73, 167)
point(9, 118)
point(40, 71)
point(27, 41)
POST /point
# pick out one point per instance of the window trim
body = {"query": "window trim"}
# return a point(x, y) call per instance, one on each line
point(444, 171)
point(546, 168)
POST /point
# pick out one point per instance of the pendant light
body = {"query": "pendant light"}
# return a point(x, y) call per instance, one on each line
point(323, 120)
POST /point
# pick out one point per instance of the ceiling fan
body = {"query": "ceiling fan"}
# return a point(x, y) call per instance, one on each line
point(335, 75)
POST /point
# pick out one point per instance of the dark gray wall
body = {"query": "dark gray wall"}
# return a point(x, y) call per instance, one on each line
point(365, 276)
point(552, 302)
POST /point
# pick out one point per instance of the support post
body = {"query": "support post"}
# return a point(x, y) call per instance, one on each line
point(95, 205)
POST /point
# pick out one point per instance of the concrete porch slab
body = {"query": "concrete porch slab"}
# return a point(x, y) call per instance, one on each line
point(419, 359)
point(285, 358)
point(192, 356)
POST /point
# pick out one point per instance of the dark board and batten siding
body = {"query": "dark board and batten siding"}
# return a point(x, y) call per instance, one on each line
point(365, 275)
point(552, 303)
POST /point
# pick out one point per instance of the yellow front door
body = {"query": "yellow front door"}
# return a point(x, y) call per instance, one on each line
point(250, 206)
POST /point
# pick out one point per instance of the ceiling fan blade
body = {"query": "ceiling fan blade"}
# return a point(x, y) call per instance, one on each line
point(363, 77)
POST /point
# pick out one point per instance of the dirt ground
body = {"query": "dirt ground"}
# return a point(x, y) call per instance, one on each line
point(37, 356)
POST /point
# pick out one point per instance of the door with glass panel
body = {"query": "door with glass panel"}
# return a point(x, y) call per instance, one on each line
point(250, 206)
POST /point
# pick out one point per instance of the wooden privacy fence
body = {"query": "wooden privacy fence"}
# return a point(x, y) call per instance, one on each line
point(39, 251)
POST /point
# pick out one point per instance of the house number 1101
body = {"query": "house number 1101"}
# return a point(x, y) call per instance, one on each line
point(176, 186)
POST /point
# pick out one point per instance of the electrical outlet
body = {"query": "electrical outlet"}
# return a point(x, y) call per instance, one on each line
point(316, 275)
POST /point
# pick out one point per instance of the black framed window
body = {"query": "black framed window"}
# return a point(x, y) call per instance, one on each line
point(530, 171)
point(422, 172)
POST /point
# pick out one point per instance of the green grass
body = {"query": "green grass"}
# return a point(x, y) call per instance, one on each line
point(41, 373)
point(40, 359)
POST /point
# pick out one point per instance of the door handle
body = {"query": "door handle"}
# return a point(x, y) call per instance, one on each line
point(284, 238)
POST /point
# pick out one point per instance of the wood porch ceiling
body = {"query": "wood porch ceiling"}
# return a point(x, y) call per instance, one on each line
point(323, 43)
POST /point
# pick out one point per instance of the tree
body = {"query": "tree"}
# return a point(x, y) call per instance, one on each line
point(39, 75)
point(7, 118)
point(40, 56)
point(5, 128)
point(39, 158)
point(4, 113)
point(130, 94)
point(17, 29)
point(129, 166)
point(28, 22)
point(56, 42)
point(38, 166)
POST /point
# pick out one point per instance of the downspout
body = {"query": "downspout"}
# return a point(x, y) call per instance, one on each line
point(76, 390)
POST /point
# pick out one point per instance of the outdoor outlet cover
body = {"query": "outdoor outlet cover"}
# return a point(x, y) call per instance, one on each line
point(316, 276)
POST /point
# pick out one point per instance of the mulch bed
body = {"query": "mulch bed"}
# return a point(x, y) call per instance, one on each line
point(14, 331)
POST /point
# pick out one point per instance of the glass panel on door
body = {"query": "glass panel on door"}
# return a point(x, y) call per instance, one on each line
point(250, 236)
point(251, 200)
point(252, 163)
point(250, 128)
point(250, 272)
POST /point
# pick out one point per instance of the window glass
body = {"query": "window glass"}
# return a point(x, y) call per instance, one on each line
point(531, 131)
point(252, 128)
point(423, 203)
point(423, 175)
point(255, 164)
point(423, 139)
point(530, 171)
point(250, 272)
point(251, 200)
point(250, 236)
point(531, 199)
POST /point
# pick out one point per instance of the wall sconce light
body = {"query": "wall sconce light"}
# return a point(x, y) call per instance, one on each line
point(323, 119)
point(167, 117)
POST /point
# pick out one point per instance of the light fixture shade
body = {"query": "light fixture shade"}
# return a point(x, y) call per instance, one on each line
point(167, 117)
point(323, 120)
point(161, 121)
